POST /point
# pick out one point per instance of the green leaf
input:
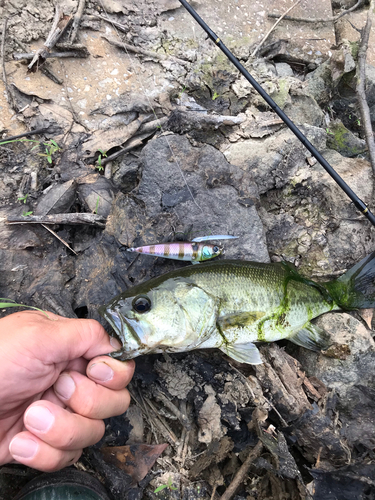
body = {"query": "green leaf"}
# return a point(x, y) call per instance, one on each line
point(12, 303)
point(160, 488)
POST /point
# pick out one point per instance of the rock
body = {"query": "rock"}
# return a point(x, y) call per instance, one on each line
point(204, 191)
point(283, 69)
point(319, 83)
point(274, 161)
point(346, 369)
point(304, 110)
point(343, 4)
point(343, 140)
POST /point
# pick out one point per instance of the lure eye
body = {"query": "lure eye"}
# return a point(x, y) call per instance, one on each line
point(216, 249)
point(141, 304)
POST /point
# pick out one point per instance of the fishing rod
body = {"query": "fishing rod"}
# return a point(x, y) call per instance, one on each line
point(359, 204)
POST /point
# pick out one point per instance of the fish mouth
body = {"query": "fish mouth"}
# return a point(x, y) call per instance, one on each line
point(122, 326)
point(113, 319)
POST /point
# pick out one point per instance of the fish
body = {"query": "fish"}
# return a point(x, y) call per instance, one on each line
point(195, 251)
point(232, 305)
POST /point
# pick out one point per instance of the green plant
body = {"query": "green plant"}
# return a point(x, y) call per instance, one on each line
point(215, 96)
point(97, 205)
point(23, 198)
point(12, 303)
point(182, 92)
point(164, 486)
point(51, 147)
point(26, 214)
point(103, 154)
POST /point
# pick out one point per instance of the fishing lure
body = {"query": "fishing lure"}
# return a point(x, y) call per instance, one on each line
point(194, 251)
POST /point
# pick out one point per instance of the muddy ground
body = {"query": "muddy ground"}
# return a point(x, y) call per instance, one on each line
point(197, 152)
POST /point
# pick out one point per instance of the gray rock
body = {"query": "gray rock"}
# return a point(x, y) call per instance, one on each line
point(347, 369)
point(224, 196)
point(319, 83)
point(343, 140)
point(304, 110)
point(274, 161)
point(283, 69)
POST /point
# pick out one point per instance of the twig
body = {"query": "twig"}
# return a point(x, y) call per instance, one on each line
point(320, 20)
point(181, 417)
point(119, 26)
point(144, 131)
point(58, 237)
point(8, 94)
point(162, 425)
point(72, 219)
point(47, 71)
point(131, 144)
point(49, 55)
point(361, 82)
point(273, 27)
point(76, 20)
point(59, 25)
point(24, 134)
point(144, 52)
point(242, 472)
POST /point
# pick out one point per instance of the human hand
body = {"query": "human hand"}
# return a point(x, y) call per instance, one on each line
point(53, 394)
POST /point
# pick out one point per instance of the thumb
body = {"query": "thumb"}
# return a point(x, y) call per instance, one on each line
point(54, 339)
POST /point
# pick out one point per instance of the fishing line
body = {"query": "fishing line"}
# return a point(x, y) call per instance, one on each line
point(359, 204)
point(141, 86)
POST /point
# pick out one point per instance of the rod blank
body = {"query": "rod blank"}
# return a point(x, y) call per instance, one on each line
point(359, 204)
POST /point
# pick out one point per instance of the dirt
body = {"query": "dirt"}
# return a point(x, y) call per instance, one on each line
point(236, 171)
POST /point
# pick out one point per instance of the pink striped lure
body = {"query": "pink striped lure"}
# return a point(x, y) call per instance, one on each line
point(194, 251)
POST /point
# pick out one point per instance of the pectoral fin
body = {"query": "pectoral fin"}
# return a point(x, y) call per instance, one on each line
point(312, 337)
point(244, 353)
point(240, 320)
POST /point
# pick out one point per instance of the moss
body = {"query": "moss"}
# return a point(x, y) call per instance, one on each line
point(354, 49)
point(281, 95)
point(342, 140)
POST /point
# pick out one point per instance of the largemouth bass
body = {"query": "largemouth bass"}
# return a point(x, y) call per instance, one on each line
point(231, 305)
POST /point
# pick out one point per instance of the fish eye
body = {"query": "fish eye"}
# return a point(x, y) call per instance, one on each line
point(216, 249)
point(141, 304)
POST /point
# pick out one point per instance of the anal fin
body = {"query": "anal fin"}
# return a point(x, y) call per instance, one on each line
point(312, 337)
point(243, 353)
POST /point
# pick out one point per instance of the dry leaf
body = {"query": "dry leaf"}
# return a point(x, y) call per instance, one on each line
point(136, 459)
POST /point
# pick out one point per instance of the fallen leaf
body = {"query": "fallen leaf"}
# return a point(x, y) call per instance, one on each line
point(136, 459)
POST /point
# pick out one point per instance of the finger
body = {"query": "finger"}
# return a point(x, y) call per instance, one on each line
point(90, 399)
point(61, 428)
point(64, 339)
point(29, 450)
point(50, 395)
point(77, 365)
point(111, 372)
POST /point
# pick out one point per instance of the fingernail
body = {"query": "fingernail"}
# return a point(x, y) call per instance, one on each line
point(23, 447)
point(65, 386)
point(115, 343)
point(101, 371)
point(39, 418)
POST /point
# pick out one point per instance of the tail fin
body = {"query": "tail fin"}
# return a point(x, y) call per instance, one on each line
point(356, 288)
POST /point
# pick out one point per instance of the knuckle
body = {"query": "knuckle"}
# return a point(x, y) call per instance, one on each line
point(88, 407)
